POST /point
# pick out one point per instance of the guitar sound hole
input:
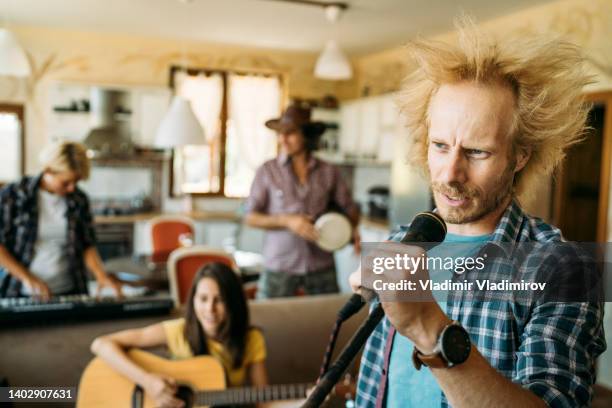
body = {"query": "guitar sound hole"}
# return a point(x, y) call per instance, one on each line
point(185, 394)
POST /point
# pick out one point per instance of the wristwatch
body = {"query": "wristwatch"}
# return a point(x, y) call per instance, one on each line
point(453, 348)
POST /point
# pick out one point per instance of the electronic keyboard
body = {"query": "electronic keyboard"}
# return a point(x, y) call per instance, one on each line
point(80, 307)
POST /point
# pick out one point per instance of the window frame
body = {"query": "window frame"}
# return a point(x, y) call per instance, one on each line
point(19, 111)
point(223, 117)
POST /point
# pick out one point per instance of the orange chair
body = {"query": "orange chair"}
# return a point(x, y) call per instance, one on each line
point(165, 233)
point(184, 263)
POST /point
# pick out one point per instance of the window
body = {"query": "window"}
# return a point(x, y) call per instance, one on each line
point(232, 108)
point(11, 139)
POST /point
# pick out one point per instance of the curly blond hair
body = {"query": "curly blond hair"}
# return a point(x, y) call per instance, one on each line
point(546, 75)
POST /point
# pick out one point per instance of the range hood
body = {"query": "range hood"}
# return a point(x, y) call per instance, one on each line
point(109, 136)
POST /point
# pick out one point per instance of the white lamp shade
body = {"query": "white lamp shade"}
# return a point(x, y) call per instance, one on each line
point(13, 60)
point(180, 126)
point(333, 64)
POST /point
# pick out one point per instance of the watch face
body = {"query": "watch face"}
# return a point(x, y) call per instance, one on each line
point(456, 344)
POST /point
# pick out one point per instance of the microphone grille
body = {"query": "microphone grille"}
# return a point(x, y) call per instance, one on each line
point(430, 225)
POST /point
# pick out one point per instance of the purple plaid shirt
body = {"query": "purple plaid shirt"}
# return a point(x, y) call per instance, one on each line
point(276, 190)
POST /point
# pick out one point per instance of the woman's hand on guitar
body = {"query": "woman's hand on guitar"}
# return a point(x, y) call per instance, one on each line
point(162, 390)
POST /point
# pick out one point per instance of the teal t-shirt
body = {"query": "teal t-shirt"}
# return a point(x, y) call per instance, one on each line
point(406, 386)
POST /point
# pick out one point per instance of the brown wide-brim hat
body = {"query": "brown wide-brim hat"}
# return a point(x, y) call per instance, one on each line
point(297, 118)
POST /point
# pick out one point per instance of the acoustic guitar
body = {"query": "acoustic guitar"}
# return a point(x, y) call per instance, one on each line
point(200, 380)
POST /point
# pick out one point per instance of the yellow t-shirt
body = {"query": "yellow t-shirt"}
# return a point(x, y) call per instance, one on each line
point(255, 350)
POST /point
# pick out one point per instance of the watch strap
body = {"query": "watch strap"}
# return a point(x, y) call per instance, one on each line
point(434, 360)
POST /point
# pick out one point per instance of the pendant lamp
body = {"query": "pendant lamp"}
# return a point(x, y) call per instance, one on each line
point(180, 126)
point(332, 64)
point(13, 60)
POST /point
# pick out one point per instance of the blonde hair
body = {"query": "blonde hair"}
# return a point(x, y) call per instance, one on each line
point(66, 156)
point(546, 76)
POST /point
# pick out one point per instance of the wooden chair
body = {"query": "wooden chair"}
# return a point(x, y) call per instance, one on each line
point(165, 233)
point(184, 263)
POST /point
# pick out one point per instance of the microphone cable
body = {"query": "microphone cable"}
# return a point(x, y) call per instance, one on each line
point(354, 304)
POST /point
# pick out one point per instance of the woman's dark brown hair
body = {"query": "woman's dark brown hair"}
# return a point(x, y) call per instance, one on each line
point(233, 330)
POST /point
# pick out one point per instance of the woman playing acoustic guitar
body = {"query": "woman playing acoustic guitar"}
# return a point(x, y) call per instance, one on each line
point(216, 322)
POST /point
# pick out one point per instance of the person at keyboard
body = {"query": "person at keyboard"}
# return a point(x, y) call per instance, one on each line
point(47, 239)
point(216, 323)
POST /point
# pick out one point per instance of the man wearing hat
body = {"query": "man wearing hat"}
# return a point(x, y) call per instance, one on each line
point(287, 195)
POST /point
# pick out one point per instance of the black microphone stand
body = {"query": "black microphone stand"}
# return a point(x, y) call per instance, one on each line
point(332, 376)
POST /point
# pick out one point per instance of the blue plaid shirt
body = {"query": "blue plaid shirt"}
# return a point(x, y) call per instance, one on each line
point(549, 349)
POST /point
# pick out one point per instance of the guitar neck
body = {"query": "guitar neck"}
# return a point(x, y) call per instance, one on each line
point(252, 395)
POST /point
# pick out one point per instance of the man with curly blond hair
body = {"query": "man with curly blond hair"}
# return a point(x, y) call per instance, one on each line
point(487, 119)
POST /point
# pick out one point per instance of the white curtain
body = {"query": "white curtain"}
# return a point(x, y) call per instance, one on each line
point(252, 100)
point(10, 154)
point(197, 167)
point(206, 95)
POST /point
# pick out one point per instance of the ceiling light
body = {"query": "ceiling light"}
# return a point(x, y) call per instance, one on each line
point(332, 12)
point(333, 64)
point(180, 126)
point(13, 60)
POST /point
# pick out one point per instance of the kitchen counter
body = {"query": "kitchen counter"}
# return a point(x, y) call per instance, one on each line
point(230, 216)
point(214, 216)
point(195, 215)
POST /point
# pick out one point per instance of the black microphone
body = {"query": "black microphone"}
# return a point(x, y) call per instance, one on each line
point(428, 230)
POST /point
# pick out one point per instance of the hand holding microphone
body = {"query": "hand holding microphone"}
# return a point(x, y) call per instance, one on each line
point(426, 229)
point(415, 314)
